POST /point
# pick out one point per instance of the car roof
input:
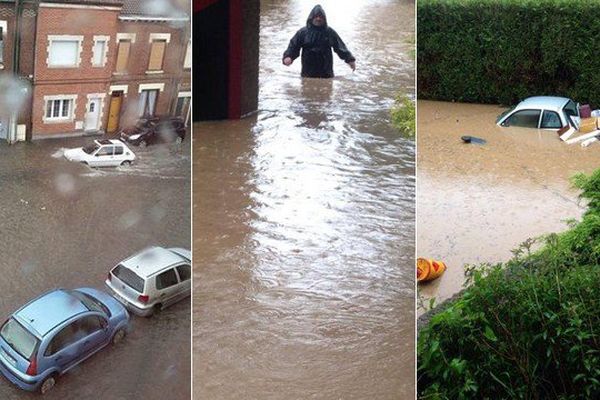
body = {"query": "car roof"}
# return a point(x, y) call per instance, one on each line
point(152, 260)
point(49, 310)
point(107, 141)
point(543, 102)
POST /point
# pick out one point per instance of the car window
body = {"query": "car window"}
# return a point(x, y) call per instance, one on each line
point(129, 277)
point(89, 325)
point(20, 339)
point(105, 151)
point(166, 279)
point(64, 338)
point(571, 109)
point(184, 271)
point(551, 120)
point(524, 118)
point(118, 150)
point(90, 302)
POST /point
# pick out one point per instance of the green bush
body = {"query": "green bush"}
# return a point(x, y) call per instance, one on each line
point(525, 329)
point(501, 51)
point(403, 115)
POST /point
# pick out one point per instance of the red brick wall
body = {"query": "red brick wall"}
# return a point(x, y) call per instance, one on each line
point(81, 80)
point(174, 77)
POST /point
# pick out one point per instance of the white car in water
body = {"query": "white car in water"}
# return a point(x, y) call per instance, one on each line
point(103, 153)
point(542, 112)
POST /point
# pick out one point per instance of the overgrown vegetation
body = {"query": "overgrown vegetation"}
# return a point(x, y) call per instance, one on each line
point(502, 51)
point(525, 329)
point(403, 115)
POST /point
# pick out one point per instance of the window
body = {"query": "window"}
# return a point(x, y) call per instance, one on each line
point(19, 338)
point(157, 53)
point(118, 150)
point(59, 109)
point(185, 272)
point(551, 120)
point(147, 102)
point(187, 63)
point(129, 277)
point(105, 151)
point(63, 51)
point(64, 338)
point(524, 118)
point(3, 26)
point(166, 279)
point(89, 325)
point(99, 58)
point(123, 55)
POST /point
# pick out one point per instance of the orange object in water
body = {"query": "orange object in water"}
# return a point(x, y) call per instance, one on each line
point(428, 270)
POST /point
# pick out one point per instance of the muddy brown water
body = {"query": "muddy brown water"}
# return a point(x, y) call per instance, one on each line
point(304, 222)
point(477, 202)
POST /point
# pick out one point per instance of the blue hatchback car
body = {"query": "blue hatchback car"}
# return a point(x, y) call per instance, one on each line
point(55, 332)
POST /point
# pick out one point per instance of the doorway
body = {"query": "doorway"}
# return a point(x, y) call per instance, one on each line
point(114, 111)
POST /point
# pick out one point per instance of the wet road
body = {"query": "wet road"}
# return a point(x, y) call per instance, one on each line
point(304, 222)
point(477, 202)
point(65, 225)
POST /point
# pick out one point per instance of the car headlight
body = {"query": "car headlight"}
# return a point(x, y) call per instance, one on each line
point(134, 137)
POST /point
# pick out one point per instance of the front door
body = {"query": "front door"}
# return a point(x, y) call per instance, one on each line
point(92, 116)
point(114, 111)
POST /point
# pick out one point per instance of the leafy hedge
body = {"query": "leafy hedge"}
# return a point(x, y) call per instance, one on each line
point(526, 329)
point(501, 51)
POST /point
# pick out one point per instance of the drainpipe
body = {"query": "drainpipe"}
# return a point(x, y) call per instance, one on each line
point(12, 130)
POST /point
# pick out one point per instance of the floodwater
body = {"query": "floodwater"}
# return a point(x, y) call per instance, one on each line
point(66, 225)
point(478, 202)
point(304, 222)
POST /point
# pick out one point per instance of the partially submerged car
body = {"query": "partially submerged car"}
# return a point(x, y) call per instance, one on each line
point(542, 112)
point(103, 153)
point(55, 332)
point(152, 280)
point(155, 130)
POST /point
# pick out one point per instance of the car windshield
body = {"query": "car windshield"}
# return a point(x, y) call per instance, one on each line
point(91, 148)
point(571, 109)
point(90, 302)
point(503, 114)
point(20, 339)
point(129, 277)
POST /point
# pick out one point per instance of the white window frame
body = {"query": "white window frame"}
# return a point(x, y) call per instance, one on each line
point(151, 86)
point(125, 36)
point(187, 61)
point(60, 119)
point(68, 38)
point(106, 40)
point(159, 36)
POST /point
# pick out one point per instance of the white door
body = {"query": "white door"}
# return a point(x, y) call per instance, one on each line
point(92, 116)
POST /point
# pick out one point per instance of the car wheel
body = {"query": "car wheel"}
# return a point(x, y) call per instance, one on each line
point(118, 336)
point(179, 140)
point(48, 384)
point(157, 309)
point(126, 162)
point(142, 144)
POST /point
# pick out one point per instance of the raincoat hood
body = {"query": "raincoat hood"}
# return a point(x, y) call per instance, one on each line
point(316, 10)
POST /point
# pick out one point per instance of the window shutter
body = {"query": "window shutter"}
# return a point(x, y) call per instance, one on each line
point(157, 53)
point(123, 55)
point(99, 48)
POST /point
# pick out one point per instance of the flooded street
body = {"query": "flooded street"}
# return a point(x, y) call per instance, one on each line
point(304, 222)
point(66, 225)
point(477, 202)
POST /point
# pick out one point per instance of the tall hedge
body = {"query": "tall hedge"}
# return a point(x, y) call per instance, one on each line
point(501, 51)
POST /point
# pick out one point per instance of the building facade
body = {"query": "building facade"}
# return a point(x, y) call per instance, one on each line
point(94, 66)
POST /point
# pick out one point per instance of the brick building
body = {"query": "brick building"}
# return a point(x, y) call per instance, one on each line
point(153, 63)
point(102, 64)
point(16, 61)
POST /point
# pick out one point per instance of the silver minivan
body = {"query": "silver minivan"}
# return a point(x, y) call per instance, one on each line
point(152, 279)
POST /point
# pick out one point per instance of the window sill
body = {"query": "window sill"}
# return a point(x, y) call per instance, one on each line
point(154, 72)
point(58, 121)
point(63, 66)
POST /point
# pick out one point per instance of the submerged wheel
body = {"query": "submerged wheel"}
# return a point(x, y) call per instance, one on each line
point(48, 384)
point(118, 336)
point(126, 162)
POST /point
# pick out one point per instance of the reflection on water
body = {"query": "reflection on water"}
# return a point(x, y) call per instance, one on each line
point(477, 202)
point(303, 231)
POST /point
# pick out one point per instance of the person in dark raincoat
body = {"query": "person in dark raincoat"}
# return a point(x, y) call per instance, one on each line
point(316, 41)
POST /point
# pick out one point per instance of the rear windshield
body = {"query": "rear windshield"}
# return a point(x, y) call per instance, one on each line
point(129, 278)
point(19, 338)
